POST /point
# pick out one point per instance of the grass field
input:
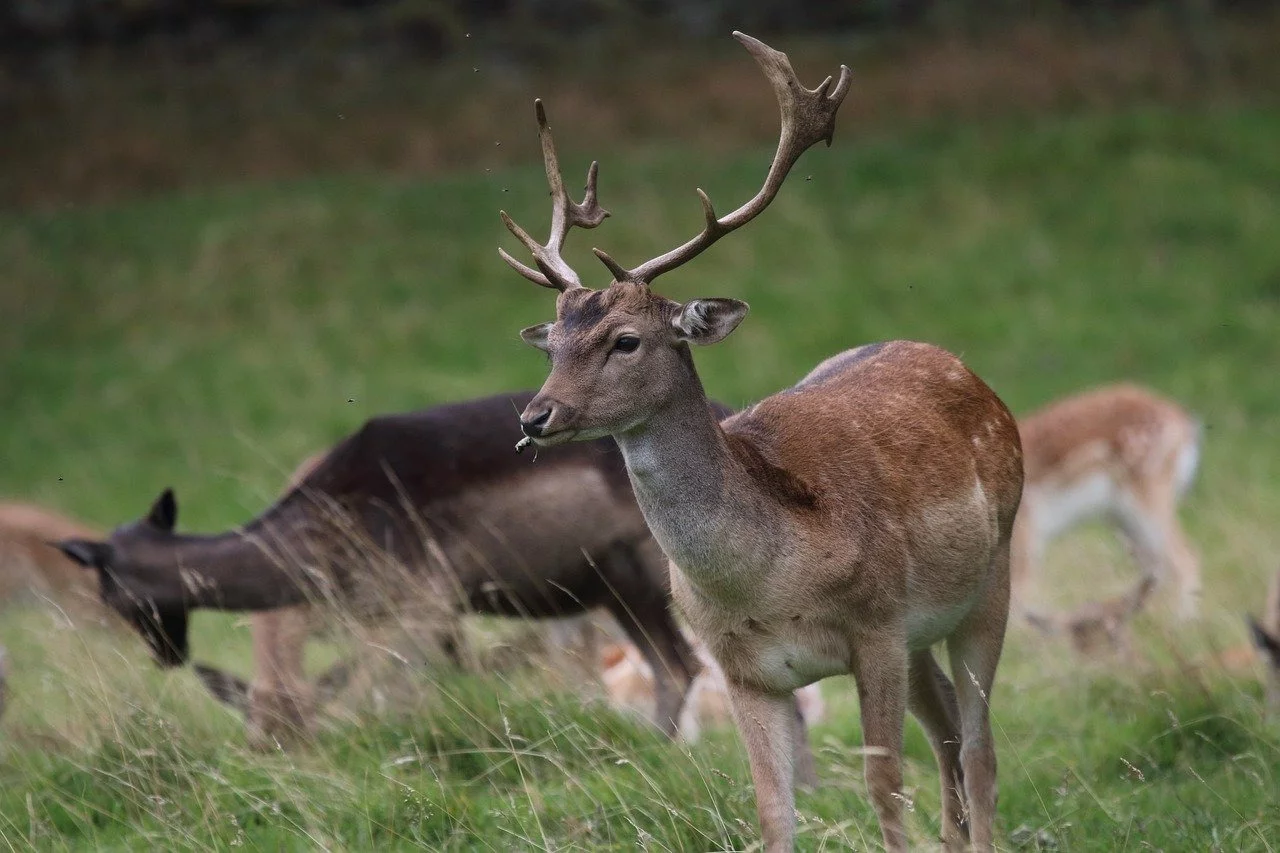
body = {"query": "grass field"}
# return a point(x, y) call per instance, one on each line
point(210, 341)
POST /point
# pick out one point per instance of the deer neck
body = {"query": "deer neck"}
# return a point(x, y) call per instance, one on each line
point(253, 568)
point(702, 506)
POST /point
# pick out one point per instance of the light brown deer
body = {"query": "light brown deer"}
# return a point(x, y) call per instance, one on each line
point(1119, 452)
point(845, 525)
point(30, 569)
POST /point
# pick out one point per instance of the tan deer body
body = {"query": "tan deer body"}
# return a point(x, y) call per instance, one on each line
point(29, 568)
point(1121, 453)
point(845, 525)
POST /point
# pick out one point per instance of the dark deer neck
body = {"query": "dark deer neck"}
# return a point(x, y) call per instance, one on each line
point(258, 567)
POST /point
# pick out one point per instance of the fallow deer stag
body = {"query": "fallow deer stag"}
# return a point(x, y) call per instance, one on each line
point(845, 525)
point(427, 505)
point(1120, 452)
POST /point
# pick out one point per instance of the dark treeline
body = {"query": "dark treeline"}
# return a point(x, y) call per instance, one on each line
point(433, 28)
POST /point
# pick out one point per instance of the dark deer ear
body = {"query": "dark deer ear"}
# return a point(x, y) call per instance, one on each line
point(164, 512)
point(91, 555)
point(1268, 645)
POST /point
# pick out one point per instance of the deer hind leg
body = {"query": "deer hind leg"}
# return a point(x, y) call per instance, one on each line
point(648, 623)
point(880, 672)
point(766, 722)
point(1150, 523)
point(974, 649)
point(806, 768)
point(932, 701)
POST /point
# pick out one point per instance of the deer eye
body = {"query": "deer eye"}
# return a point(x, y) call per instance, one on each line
point(626, 343)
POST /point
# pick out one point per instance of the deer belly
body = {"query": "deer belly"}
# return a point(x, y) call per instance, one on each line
point(1061, 507)
point(779, 665)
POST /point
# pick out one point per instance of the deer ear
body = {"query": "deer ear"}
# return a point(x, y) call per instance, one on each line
point(91, 555)
point(164, 512)
point(708, 321)
point(536, 336)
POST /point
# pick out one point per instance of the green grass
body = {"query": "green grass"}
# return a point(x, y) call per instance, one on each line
point(210, 341)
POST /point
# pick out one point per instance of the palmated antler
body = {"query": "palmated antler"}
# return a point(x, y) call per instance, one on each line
point(808, 117)
point(565, 214)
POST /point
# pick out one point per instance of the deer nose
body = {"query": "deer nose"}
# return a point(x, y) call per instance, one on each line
point(532, 427)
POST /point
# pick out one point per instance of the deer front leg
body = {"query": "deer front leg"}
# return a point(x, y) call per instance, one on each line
point(280, 703)
point(1150, 522)
point(880, 671)
point(766, 722)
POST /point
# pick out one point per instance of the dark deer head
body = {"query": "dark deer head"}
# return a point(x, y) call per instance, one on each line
point(137, 582)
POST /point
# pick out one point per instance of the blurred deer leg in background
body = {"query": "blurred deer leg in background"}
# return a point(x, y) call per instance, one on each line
point(1266, 639)
point(806, 768)
point(643, 614)
point(1150, 522)
point(281, 703)
point(1026, 558)
point(572, 648)
point(4, 679)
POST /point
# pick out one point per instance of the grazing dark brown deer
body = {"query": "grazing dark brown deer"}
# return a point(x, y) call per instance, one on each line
point(1120, 452)
point(845, 525)
point(428, 503)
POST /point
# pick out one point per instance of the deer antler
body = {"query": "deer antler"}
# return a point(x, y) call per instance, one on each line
point(565, 214)
point(808, 117)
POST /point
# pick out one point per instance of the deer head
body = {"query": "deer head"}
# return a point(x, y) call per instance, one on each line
point(135, 580)
point(619, 354)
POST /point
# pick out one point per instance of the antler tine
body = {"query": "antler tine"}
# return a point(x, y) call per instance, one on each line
point(808, 117)
point(565, 214)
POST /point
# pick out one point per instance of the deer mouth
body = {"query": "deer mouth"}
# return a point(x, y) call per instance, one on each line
point(551, 439)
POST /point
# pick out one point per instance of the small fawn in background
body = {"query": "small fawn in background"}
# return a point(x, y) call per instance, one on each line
point(1122, 453)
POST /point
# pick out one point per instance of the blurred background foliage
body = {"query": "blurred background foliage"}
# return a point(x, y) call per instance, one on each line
point(104, 98)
